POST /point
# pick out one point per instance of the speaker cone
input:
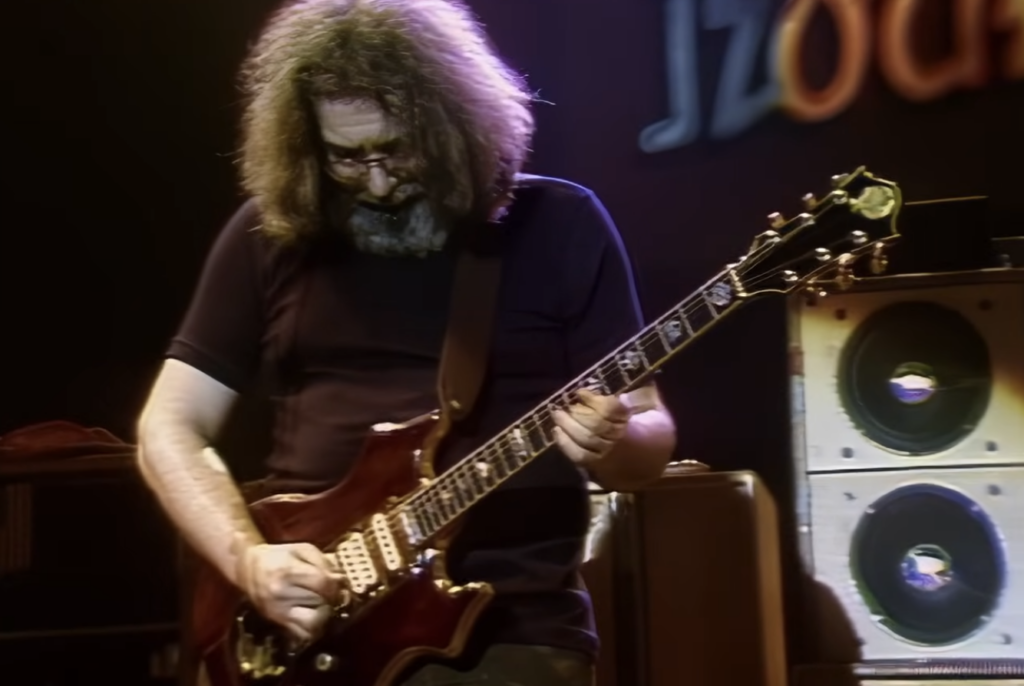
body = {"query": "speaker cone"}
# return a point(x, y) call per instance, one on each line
point(929, 564)
point(915, 378)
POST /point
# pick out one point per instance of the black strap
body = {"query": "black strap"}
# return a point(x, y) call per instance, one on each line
point(467, 343)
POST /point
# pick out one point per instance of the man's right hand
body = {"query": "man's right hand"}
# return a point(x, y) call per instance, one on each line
point(293, 585)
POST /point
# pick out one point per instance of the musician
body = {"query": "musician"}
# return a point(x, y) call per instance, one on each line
point(376, 133)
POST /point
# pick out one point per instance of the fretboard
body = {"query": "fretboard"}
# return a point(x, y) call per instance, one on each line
point(628, 367)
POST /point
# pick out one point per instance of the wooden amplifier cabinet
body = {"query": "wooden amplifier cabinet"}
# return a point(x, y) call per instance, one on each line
point(88, 570)
point(686, 583)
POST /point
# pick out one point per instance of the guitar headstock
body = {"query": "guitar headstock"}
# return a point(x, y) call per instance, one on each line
point(818, 250)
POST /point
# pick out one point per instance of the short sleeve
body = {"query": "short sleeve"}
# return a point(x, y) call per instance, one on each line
point(221, 334)
point(605, 309)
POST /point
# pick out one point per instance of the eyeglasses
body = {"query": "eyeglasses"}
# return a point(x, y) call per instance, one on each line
point(348, 169)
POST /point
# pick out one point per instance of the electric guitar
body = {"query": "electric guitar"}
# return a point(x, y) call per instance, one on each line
point(387, 524)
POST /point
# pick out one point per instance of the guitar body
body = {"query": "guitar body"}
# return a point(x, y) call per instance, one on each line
point(419, 614)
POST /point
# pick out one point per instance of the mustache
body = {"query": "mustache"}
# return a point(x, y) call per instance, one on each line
point(401, 195)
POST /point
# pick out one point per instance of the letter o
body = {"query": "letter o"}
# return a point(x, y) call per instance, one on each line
point(800, 101)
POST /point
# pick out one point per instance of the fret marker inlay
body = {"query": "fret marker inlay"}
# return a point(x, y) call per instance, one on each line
point(720, 295)
point(519, 446)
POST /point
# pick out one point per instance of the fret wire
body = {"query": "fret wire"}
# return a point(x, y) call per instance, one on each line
point(423, 517)
point(710, 305)
point(434, 514)
point(684, 319)
point(457, 490)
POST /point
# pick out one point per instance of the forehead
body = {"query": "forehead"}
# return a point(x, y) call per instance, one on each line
point(353, 123)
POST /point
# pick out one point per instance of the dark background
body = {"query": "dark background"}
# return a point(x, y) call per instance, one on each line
point(119, 128)
point(119, 125)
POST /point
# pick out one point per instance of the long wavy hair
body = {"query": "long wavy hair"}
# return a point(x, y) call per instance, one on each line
point(427, 63)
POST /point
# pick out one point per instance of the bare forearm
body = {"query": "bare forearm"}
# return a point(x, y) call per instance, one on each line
point(199, 495)
point(642, 454)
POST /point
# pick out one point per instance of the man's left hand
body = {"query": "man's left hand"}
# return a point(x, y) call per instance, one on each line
point(591, 428)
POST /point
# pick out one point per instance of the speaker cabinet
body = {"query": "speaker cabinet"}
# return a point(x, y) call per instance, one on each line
point(84, 551)
point(908, 408)
point(687, 586)
point(872, 395)
point(853, 675)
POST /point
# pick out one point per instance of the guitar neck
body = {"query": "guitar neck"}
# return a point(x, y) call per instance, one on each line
point(794, 254)
point(628, 367)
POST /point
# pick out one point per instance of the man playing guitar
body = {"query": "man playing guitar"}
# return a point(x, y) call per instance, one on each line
point(379, 136)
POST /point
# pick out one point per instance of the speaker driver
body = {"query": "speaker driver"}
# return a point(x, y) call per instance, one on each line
point(929, 563)
point(915, 378)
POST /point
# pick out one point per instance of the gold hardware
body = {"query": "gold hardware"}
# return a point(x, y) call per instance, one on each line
point(844, 273)
point(455, 405)
point(879, 260)
point(812, 294)
point(810, 202)
point(839, 179)
point(737, 285)
point(875, 202)
point(777, 220)
point(325, 662)
point(256, 660)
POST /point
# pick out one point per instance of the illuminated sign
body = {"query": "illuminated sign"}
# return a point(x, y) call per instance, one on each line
point(863, 34)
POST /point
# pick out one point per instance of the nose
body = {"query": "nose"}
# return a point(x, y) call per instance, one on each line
point(380, 184)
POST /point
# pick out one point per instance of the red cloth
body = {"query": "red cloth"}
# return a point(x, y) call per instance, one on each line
point(60, 440)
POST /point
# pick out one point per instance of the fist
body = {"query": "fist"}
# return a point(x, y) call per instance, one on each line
point(292, 585)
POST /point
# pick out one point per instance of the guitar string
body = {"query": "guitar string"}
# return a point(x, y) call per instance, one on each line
point(426, 503)
point(417, 506)
point(697, 302)
point(424, 507)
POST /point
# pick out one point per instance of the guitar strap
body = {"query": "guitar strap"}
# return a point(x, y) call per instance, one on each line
point(467, 343)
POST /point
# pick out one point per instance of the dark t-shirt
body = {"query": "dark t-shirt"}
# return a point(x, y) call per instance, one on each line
point(355, 339)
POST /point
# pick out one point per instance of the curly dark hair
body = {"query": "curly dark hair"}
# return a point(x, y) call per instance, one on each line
point(427, 63)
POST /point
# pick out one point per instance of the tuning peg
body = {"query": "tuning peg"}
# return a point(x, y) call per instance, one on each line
point(844, 272)
point(840, 197)
point(879, 260)
point(777, 220)
point(810, 202)
point(859, 238)
point(839, 179)
point(761, 240)
point(822, 254)
point(812, 294)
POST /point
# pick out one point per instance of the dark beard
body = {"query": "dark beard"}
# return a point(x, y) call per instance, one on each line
point(412, 229)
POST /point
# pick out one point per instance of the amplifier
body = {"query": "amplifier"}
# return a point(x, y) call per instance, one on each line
point(84, 550)
point(925, 672)
point(686, 583)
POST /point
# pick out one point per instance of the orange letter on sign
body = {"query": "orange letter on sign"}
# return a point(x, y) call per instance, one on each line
point(798, 99)
point(967, 67)
point(1009, 18)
